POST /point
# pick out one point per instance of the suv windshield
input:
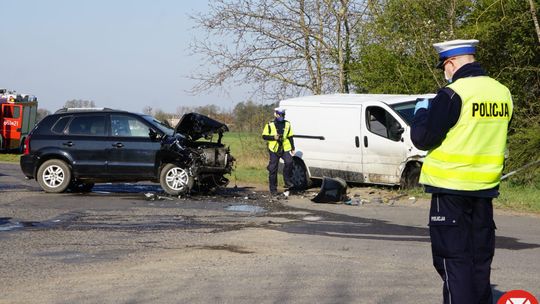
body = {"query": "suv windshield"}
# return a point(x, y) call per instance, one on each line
point(160, 125)
point(405, 110)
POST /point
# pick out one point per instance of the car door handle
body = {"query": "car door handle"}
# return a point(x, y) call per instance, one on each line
point(118, 145)
point(357, 141)
point(365, 141)
point(68, 143)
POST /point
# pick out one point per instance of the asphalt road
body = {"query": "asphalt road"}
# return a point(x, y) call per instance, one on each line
point(128, 244)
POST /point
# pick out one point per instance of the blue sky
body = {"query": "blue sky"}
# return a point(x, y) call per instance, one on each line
point(120, 54)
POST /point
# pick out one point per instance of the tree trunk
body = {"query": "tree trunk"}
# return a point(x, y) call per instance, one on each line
point(315, 87)
point(535, 19)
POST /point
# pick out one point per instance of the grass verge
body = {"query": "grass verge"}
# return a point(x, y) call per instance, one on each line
point(251, 157)
point(518, 198)
point(9, 157)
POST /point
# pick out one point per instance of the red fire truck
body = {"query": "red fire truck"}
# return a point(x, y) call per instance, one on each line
point(17, 118)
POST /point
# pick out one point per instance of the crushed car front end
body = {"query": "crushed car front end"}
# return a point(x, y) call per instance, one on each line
point(191, 159)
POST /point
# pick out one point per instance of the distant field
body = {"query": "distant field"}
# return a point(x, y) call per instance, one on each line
point(251, 157)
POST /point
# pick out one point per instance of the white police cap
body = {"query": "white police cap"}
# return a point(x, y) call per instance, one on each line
point(279, 110)
point(453, 48)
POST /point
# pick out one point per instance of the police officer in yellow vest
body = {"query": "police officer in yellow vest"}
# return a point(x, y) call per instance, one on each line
point(464, 129)
point(279, 136)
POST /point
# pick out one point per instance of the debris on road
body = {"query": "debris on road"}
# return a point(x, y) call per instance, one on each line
point(154, 197)
point(333, 190)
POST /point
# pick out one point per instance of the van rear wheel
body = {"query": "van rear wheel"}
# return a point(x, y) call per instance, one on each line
point(300, 178)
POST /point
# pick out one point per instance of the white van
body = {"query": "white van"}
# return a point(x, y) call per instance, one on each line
point(361, 138)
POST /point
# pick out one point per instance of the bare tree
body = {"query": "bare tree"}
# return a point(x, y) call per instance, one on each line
point(41, 113)
point(148, 110)
point(80, 103)
point(280, 47)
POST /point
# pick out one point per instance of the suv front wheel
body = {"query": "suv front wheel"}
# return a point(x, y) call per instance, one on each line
point(54, 176)
point(175, 180)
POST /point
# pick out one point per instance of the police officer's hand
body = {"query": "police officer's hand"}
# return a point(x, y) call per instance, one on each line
point(277, 137)
point(421, 104)
point(292, 152)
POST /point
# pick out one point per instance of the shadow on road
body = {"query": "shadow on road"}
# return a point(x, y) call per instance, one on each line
point(345, 226)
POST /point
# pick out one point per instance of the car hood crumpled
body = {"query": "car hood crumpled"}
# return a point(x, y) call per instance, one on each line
point(195, 126)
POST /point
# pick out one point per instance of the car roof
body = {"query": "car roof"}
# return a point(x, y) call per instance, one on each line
point(87, 110)
point(352, 99)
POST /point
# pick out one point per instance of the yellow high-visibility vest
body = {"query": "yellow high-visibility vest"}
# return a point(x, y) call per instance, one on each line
point(471, 157)
point(273, 145)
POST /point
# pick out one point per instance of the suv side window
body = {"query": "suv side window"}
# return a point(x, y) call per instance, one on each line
point(125, 125)
point(382, 123)
point(93, 125)
point(60, 125)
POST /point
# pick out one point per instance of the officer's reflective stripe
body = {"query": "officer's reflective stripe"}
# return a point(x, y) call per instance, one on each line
point(462, 175)
point(447, 283)
point(464, 158)
point(273, 146)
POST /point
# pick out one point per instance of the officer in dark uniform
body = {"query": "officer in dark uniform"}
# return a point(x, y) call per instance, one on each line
point(279, 137)
point(464, 129)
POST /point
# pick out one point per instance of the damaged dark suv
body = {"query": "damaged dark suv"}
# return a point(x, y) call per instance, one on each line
point(73, 149)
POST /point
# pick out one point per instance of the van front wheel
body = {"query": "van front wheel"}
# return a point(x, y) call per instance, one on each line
point(300, 178)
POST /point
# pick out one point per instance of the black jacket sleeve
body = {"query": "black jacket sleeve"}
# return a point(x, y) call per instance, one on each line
point(429, 126)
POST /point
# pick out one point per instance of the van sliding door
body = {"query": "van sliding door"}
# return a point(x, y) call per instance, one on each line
point(339, 154)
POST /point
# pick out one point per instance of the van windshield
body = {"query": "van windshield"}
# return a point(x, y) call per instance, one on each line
point(405, 110)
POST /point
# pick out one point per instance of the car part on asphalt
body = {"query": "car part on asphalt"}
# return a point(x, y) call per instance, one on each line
point(333, 190)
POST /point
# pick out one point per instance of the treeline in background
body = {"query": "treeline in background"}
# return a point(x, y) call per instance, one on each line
point(290, 48)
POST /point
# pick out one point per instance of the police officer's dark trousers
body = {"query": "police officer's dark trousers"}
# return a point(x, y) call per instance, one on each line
point(273, 169)
point(462, 234)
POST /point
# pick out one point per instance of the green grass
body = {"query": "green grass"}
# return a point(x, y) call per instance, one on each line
point(512, 197)
point(518, 198)
point(251, 157)
point(9, 157)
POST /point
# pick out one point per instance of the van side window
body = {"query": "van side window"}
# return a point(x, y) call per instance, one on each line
point(382, 123)
point(88, 125)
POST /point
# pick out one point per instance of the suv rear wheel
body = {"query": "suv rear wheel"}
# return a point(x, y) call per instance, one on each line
point(175, 180)
point(54, 176)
